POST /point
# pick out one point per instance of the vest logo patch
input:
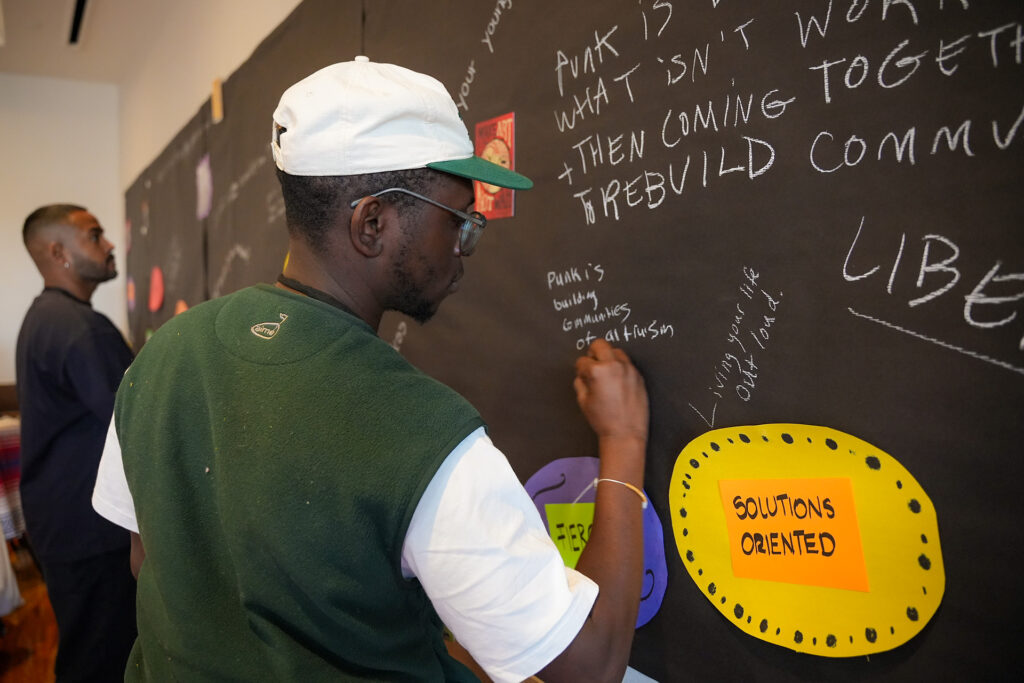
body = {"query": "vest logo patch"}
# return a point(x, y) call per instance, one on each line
point(268, 330)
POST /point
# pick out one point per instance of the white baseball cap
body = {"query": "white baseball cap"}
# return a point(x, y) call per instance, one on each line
point(363, 117)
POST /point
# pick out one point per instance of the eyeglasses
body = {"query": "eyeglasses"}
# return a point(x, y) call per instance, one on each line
point(473, 223)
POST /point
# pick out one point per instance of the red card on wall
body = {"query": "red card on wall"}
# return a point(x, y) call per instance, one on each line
point(496, 142)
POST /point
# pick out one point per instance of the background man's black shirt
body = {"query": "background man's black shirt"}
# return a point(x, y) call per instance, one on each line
point(70, 360)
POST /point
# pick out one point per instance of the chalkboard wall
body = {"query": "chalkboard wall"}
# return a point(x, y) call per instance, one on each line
point(804, 212)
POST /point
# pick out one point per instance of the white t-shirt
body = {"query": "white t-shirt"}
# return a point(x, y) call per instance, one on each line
point(478, 547)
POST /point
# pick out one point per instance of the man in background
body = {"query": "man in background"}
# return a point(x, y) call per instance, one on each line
point(312, 507)
point(70, 360)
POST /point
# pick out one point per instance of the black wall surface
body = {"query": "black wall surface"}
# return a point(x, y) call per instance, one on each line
point(236, 234)
point(166, 232)
point(852, 170)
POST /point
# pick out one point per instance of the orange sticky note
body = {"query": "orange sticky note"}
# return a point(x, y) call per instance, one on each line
point(801, 531)
point(216, 101)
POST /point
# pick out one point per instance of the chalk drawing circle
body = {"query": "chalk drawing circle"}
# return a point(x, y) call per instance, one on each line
point(898, 530)
point(560, 481)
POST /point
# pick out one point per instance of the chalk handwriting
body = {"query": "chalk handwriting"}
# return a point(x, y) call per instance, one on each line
point(237, 185)
point(575, 274)
point(856, 11)
point(172, 162)
point(828, 154)
point(598, 77)
point(992, 303)
point(587, 62)
point(237, 252)
point(608, 173)
point(944, 344)
point(749, 157)
point(685, 144)
point(275, 206)
point(658, 7)
point(465, 87)
point(461, 96)
point(750, 328)
point(587, 316)
point(492, 24)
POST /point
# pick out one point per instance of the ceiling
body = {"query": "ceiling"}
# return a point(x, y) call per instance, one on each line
point(36, 32)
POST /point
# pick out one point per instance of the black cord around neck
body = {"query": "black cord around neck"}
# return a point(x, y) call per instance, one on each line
point(313, 293)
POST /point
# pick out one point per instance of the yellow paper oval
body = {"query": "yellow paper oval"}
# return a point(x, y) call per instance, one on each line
point(807, 538)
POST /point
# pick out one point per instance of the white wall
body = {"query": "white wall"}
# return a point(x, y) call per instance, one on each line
point(85, 142)
point(60, 145)
point(196, 42)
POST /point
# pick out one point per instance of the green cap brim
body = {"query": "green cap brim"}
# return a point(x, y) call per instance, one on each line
point(476, 168)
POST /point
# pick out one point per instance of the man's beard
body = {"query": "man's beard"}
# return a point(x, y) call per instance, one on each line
point(94, 272)
point(408, 297)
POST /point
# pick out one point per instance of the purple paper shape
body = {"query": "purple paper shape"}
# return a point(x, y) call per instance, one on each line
point(204, 188)
point(562, 480)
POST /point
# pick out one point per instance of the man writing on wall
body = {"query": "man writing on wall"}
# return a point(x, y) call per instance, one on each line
point(310, 506)
point(70, 360)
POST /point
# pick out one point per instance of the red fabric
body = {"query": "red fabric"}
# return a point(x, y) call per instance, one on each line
point(10, 456)
point(11, 518)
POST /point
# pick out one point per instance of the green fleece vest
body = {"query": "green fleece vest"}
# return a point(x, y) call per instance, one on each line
point(276, 449)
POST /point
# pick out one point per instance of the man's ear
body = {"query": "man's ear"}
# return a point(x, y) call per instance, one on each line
point(55, 252)
point(365, 227)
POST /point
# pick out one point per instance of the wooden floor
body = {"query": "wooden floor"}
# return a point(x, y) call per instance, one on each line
point(28, 646)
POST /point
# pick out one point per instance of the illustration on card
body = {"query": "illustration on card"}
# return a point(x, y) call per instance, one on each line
point(495, 142)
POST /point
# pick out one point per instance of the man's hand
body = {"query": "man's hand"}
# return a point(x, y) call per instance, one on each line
point(611, 393)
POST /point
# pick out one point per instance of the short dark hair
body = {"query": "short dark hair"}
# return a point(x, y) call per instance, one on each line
point(312, 204)
point(45, 216)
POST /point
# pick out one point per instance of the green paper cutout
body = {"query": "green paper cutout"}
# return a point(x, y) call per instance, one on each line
point(569, 525)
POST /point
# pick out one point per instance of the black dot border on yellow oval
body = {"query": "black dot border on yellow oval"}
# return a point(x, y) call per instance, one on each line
point(873, 463)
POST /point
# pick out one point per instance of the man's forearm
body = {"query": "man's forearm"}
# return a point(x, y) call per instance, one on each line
point(613, 558)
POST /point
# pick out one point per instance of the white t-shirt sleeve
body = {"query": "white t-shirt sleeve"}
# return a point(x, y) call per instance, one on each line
point(111, 497)
point(479, 548)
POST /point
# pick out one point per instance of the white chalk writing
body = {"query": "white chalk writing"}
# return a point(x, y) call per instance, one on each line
point(576, 294)
point(735, 374)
